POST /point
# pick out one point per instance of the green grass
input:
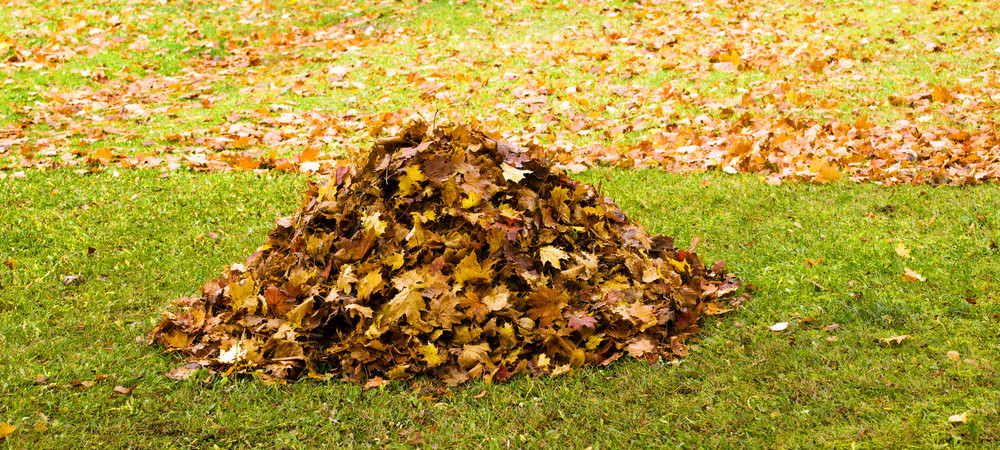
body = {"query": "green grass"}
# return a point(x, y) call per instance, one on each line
point(818, 256)
point(742, 384)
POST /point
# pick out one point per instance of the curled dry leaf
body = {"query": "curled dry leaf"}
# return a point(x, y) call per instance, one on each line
point(780, 326)
point(452, 255)
point(959, 418)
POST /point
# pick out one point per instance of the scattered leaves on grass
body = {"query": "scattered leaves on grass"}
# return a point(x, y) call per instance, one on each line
point(616, 86)
point(430, 260)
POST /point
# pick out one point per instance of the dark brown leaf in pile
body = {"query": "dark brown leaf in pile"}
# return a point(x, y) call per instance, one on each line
point(451, 255)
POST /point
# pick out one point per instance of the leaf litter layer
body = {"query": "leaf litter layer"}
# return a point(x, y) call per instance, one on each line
point(453, 255)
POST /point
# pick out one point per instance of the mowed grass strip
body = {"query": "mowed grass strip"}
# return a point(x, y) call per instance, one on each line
point(823, 259)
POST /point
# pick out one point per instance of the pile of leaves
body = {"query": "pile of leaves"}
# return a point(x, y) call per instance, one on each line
point(453, 255)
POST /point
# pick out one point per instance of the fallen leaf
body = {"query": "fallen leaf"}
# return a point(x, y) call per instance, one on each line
point(6, 429)
point(959, 418)
point(512, 174)
point(953, 355)
point(552, 255)
point(897, 340)
point(780, 326)
point(122, 390)
point(912, 276)
point(376, 382)
point(902, 251)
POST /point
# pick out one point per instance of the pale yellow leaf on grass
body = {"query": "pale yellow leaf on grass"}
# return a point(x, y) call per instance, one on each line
point(912, 276)
point(895, 339)
point(780, 326)
point(901, 250)
point(959, 418)
point(953, 355)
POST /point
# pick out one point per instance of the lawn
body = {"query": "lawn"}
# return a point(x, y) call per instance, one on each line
point(144, 145)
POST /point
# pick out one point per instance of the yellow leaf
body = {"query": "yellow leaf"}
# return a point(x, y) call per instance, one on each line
point(363, 310)
point(103, 153)
point(826, 172)
point(562, 370)
point(430, 354)
point(472, 200)
point(552, 255)
point(232, 355)
point(912, 276)
point(953, 355)
point(594, 341)
point(372, 222)
point(410, 180)
point(496, 298)
point(473, 354)
point(6, 429)
point(512, 174)
point(543, 360)
point(296, 315)
point(394, 261)
point(895, 339)
point(408, 302)
point(370, 283)
point(901, 250)
point(959, 418)
point(238, 293)
point(469, 269)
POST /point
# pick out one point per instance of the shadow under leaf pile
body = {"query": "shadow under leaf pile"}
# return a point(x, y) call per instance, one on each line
point(452, 255)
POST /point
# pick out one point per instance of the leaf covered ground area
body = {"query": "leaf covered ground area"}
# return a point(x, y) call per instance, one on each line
point(884, 91)
point(453, 255)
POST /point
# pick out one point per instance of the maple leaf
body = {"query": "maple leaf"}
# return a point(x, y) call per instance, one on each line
point(897, 340)
point(512, 174)
point(430, 354)
point(6, 429)
point(552, 255)
point(902, 251)
point(410, 180)
point(232, 355)
point(641, 348)
point(469, 269)
point(473, 354)
point(579, 323)
point(408, 302)
point(911, 276)
point(496, 298)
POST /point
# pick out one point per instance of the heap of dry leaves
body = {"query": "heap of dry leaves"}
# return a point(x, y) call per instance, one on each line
point(453, 255)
